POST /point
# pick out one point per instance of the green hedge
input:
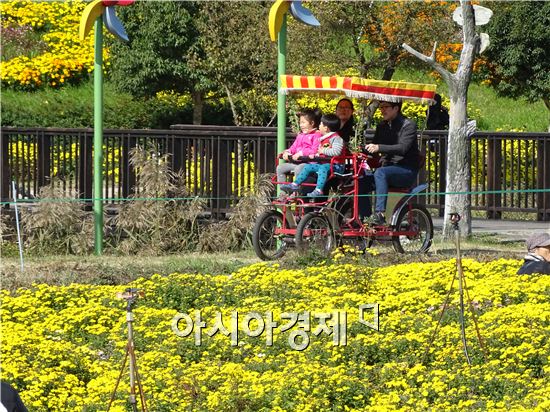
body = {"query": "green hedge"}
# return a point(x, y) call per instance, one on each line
point(73, 107)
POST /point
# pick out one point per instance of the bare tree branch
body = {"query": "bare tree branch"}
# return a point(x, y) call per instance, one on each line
point(430, 60)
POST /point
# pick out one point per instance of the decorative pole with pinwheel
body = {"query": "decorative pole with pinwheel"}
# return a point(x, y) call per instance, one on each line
point(93, 14)
point(277, 32)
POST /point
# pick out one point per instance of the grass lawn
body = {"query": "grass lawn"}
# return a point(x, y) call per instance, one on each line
point(113, 270)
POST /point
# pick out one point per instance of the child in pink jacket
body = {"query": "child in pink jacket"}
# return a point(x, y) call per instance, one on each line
point(305, 144)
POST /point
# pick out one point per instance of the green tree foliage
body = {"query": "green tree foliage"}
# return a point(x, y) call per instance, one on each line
point(367, 36)
point(236, 55)
point(519, 54)
point(162, 35)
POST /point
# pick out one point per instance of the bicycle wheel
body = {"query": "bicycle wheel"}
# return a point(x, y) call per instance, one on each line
point(314, 233)
point(344, 208)
point(418, 221)
point(268, 245)
point(345, 213)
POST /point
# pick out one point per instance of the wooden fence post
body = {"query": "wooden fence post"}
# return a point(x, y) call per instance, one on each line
point(85, 167)
point(178, 154)
point(128, 172)
point(494, 177)
point(422, 173)
point(221, 174)
point(44, 159)
point(543, 179)
point(5, 168)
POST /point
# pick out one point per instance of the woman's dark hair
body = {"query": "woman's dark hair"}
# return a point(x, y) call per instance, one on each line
point(345, 100)
point(312, 115)
point(331, 121)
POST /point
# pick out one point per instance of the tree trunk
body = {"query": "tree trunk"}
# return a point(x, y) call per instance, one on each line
point(197, 107)
point(236, 119)
point(458, 164)
point(547, 104)
point(458, 153)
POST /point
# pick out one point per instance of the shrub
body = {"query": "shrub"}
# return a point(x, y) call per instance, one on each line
point(73, 107)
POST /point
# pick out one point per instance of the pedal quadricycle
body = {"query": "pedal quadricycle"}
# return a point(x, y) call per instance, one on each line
point(322, 223)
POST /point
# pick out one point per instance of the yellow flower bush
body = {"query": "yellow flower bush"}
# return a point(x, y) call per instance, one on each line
point(66, 58)
point(62, 347)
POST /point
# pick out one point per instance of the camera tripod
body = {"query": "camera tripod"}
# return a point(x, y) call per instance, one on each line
point(130, 295)
point(455, 218)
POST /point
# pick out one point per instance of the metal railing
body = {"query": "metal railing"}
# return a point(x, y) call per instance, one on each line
point(218, 161)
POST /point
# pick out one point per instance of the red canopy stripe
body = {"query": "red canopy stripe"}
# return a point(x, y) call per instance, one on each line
point(360, 88)
point(318, 82)
point(347, 83)
point(424, 94)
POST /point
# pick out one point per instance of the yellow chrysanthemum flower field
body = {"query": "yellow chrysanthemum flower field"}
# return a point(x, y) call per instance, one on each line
point(63, 346)
point(66, 58)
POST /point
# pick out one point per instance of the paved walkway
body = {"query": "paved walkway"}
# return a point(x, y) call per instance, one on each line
point(505, 229)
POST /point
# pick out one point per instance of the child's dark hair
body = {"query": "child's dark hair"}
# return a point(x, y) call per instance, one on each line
point(331, 121)
point(312, 115)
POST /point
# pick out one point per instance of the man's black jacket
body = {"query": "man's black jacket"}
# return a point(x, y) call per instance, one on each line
point(397, 142)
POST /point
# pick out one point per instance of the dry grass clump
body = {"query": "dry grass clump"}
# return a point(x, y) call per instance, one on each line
point(159, 219)
point(5, 229)
point(57, 224)
point(235, 233)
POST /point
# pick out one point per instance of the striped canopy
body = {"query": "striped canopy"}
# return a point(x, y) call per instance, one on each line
point(361, 88)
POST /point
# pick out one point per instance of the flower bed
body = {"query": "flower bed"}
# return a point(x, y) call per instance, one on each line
point(63, 346)
point(66, 58)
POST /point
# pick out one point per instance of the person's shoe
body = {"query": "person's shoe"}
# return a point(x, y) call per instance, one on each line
point(291, 187)
point(315, 193)
point(376, 219)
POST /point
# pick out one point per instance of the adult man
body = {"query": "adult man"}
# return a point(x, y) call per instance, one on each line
point(537, 259)
point(395, 140)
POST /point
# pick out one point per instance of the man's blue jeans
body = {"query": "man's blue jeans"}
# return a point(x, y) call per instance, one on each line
point(391, 176)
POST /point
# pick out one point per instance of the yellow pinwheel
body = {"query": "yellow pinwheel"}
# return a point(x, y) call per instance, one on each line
point(280, 8)
point(103, 7)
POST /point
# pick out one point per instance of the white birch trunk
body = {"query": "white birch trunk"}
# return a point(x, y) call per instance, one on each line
point(458, 166)
point(458, 151)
